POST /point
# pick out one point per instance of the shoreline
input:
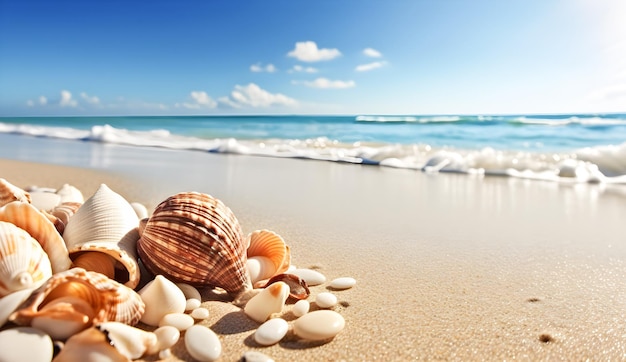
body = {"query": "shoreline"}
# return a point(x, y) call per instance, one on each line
point(447, 266)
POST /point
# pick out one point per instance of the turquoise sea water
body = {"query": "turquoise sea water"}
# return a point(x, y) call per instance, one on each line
point(571, 147)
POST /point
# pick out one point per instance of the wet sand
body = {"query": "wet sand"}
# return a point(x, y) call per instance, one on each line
point(448, 267)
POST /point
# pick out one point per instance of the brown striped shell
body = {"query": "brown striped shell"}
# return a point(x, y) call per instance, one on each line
point(110, 300)
point(194, 238)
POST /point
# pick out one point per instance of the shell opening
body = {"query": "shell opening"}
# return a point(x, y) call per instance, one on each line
point(102, 263)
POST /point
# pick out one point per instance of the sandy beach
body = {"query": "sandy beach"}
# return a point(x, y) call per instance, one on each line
point(448, 267)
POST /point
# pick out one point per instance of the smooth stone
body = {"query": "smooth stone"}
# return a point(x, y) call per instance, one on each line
point(342, 283)
point(161, 297)
point(326, 300)
point(319, 325)
point(200, 313)
point(202, 343)
point(180, 321)
point(271, 332)
point(255, 356)
point(167, 336)
point(25, 344)
point(189, 291)
point(310, 276)
point(192, 304)
point(270, 300)
point(301, 308)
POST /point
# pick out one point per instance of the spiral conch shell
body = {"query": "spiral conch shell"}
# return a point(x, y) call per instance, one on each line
point(23, 262)
point(79, 296)
point(27, 217)
point(102, 236)
point(194, 238)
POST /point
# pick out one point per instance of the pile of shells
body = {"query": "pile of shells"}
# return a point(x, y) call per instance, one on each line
point(105, 278)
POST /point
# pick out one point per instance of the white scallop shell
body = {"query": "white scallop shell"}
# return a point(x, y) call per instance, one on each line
point(23, 262)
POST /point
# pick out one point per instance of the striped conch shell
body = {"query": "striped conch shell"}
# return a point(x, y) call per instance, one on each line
point(75, 299)
point(268, 255)
point(102, 236)
point(23, 262)
point(10, 193)
point(27, 217)
point(194, 238)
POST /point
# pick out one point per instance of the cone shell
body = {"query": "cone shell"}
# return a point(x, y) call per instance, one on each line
point(272, 246)
point(27, 217)
point(110, 300)
point(23, 262)
point(10, 193)
point(106, 223)
point(194, 238)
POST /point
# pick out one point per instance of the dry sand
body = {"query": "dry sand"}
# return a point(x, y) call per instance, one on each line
point(449, 267)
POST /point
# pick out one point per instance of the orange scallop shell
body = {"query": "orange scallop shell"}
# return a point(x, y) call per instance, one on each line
point(272, 246)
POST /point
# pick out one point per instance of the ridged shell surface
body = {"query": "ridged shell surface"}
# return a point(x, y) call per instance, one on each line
point(270, 245)
point(194, 238)
point(27, 217)
point(10, 193)
point(110, 300)
point(23, 262)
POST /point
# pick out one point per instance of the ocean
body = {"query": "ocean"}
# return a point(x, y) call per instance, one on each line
point(579, 148)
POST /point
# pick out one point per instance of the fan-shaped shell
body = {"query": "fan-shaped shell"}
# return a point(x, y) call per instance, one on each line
point(110, 300)
point(194, 238)
point(106, 223)
point(27, 217)
point(269, 244)
point(10, 193)
point(23, 262)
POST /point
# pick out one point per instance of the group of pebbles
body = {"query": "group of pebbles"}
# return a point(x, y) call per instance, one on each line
point(101, 279)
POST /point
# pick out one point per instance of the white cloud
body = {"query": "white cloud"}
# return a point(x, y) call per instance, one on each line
point(200, 100)
point(91, 100)
point(298, 69)
point(254, 96)
point(257, 68)
point(43, 100)
point(308, 51)
point(371, 52)
point(30, 103)
point(324, 83)
point(66, 99)
point(370, 66)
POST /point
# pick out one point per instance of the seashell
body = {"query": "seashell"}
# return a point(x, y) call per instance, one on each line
point(140, 210)
point(202, 343)
point(109, 300)
point(63, 317)
point(194, 238)
point(311, 276)
point(27, 217)
point(70, 194)
point(106, 223)
point(10, 302)
point(319, 325)
point(342, 283)
point(326, 300)
point(180, 321)
point(65, 210)
point(298, 289)
point(264, 246)
point(270, 300)
point(25, 344)
point(90, 345)
point(271, 332)
point(10, 193)
point(23, 263)
point(161, 297)
point(130, 341)
point(43, 199)
point(301, 308)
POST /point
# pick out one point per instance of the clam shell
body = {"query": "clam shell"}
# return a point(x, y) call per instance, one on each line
point(266, 243)
point(23, 262)
point(27, 217)
point(10, 193)
point(194, 238)
point(106, 223)
point(91, 343)
point(69, 193)
point(110, 300)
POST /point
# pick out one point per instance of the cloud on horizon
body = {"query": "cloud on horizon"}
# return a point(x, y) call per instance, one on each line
point(252, 95)
point(307, 51)
point(67, 100)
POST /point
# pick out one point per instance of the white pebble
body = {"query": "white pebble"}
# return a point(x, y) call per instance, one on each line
point(189, 291)
point(180, 321)
point(255, 356)
point(202, 343)
point(269, 300)
point(301, 308)
point(200, 313)
point(25, 344)
point(165, 353)
point(271, 332)
point(326, 300)
point(319, 325)
point(167, 336)
point(310, 276)
point(342, 283)
point(192, 304)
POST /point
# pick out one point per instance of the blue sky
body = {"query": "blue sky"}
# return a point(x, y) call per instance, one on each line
point(321, 57)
